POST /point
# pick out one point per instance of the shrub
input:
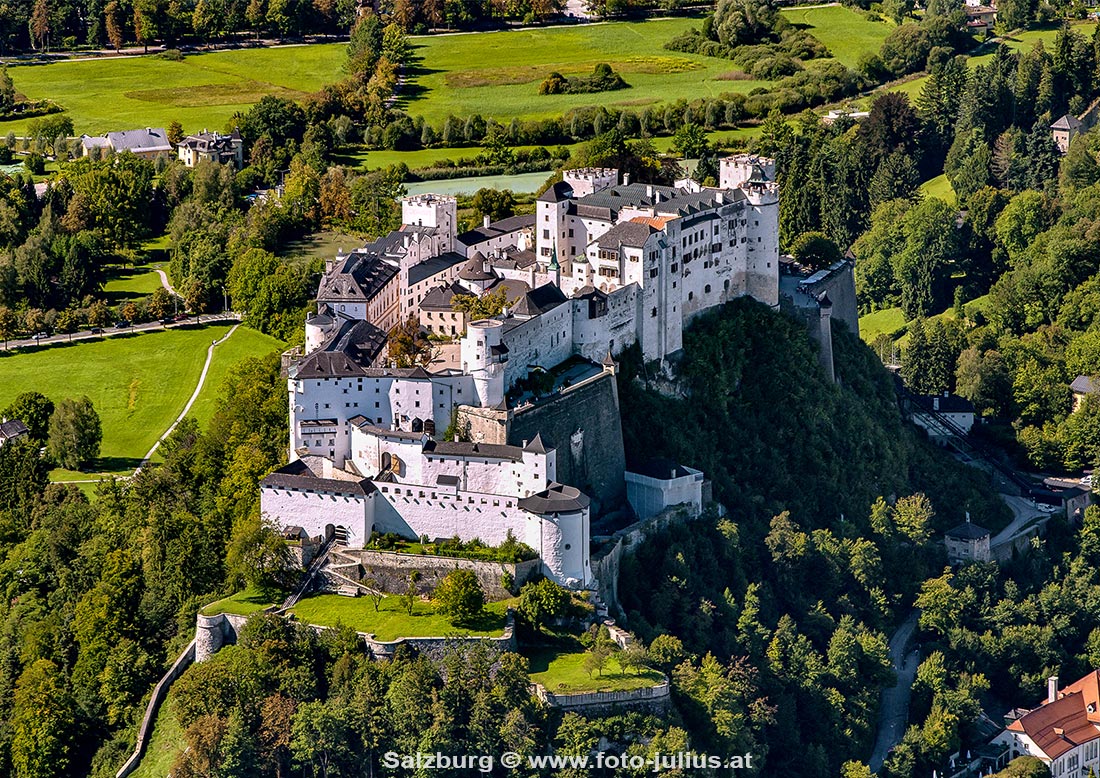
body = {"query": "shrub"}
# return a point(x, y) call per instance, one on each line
point(459, 596)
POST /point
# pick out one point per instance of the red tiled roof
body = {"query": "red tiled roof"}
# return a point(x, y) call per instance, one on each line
point(1056, 727)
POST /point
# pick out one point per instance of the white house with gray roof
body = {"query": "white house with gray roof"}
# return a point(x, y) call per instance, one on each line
point(147, 143)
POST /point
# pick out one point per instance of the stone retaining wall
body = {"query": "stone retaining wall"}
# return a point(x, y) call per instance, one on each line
point(391, 570)
point(651, 698)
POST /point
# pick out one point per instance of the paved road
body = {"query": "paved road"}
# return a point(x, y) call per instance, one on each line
point(893, 712)
point(1023, 512)
point(153, 326)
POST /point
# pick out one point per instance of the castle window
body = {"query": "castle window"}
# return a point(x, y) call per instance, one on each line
point(653, 313)
point(568, 546)
point(691, 296)
point(706, 289)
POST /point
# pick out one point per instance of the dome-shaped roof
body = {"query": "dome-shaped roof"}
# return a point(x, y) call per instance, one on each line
point(474, 269)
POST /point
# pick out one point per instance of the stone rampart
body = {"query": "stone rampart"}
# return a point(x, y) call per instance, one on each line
point(390, 570)
point(651, 698)
point(160, 691)
point(583, 424)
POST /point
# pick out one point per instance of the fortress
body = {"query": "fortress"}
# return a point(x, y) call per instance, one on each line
point(435, 450)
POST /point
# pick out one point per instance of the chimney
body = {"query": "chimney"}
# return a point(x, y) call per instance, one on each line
point(626, 179)
point(485, 221)
point(649, 190)
point(935, 403)
point(1052, 688)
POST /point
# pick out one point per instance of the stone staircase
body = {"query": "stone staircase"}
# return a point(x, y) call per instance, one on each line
point(342, 574)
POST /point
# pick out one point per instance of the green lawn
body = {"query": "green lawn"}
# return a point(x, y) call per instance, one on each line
point(563, 671)
point(939, 187)
point(322, 245)
point(165, 743)
point(845, 32)
point(391, 621)
point(888, 320)
point(497, 74)
point(138, 383)
point(244, 342)
point(203, 90)
point(130, 283)
point(242, 603)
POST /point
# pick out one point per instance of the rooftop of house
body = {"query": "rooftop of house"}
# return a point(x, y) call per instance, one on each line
point(355, 278)
point(306, 473)
point(513, 259)
point(1083, 384)
point(212, 141)
point(448, 448)
point(12, 428)
point(659, 468)
point(442, 297)
point(539, 300)
point(556, 498)
point(475, 270)
point(967, 531)
point(632, 233)
point(350, 350)
point(663, 200)
point(146, 140)
point(497, 229)
point(431, 267)
point(1067, 122)
point(1066, 722)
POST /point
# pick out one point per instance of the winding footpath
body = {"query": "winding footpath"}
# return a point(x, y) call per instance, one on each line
point(190, 402)
point(893, 711)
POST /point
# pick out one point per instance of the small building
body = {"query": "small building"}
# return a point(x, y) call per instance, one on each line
point(1067, 495)
point(212, 147)
point(147, 143)
point(1065, 130)
point(656, 484)
point(967, 543)
point(980, 18)
point(10, 429)
point(1063, 731)
point(944, 416)
point(1082, 387)
point(437, 313)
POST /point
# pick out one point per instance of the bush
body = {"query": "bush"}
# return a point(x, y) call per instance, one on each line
point(460, 597)
point(541, 601)
point(35, 163)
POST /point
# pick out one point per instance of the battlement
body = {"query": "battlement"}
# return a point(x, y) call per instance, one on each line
point(589, 180)
point(740, 170)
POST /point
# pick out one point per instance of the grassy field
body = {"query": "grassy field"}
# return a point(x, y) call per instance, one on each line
point(130, 283)
point(939, 187)
point(888, 320)
point(138, 383)
point(846, 33)
point(166, 742)
point(563, 671)
point(242, 603)
point(203, 90)
point(391, 621)
point(244, 342)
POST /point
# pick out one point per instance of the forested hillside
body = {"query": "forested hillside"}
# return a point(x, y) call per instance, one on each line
point(799, 585)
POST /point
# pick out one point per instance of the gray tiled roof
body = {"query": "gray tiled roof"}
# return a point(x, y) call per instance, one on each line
point(357, 277)
point(633, 234)
point(348, 352)
point(474, 450)
point(557, 498)
point(12, 428)
point(437, 264)
point(1083, 384)
point(146, 140)
point(298, 475)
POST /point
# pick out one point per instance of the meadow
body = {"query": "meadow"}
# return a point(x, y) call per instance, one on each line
point(391, 621)
point(201, 91)
point(138, 383)
point(496, 74)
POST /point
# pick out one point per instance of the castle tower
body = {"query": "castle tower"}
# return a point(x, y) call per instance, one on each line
point(484, 356)
point(565, 538)
point(432, 210)
point(588, 180)
point(735, 171)
point(762, 262)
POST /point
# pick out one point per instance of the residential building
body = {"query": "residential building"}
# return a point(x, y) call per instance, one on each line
point(212, 147)
point(1082, 387)
point(1065, 130)
point(944, 416)
point(10, 429)
point(1063, 731)
point(147, 143)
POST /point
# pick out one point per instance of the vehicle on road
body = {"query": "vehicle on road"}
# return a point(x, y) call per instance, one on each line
point(121, 325)
point(97, 330)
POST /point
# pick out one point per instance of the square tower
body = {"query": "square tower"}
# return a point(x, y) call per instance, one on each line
point(435, 211)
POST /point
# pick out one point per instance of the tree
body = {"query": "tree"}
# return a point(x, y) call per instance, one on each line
point(495, 203)
point(488, 305)
point(112, 15)
point(666, 651)
point(43, 722)
point(913, 517)
point(459, 596)
point(7, 92)
point(814, 250)
point(9, 324)
point(260, 557)
point(174, 131)
point(321, 739)
point(40, 24)
point(541, 601)
point(34, 410)
point(595, 660)
point(75, 433)
point(690, 141)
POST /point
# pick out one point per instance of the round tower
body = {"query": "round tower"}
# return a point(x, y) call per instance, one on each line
point(483, 357)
